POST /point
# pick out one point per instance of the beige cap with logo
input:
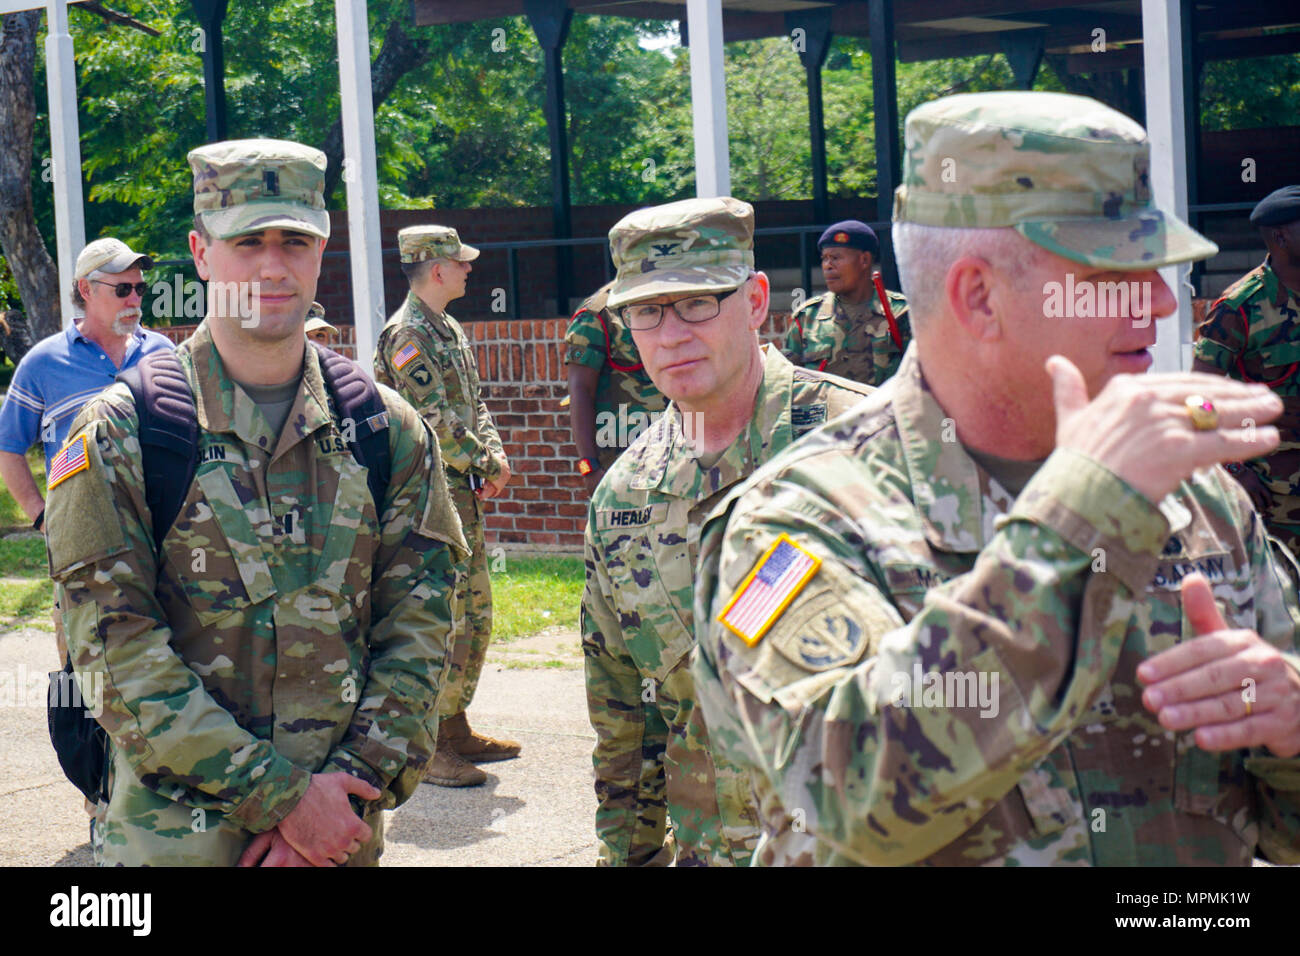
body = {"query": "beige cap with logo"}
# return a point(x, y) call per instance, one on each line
point(108, 255)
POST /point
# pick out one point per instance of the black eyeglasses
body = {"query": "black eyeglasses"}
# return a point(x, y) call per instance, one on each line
point(123, 289)
point(644, 316)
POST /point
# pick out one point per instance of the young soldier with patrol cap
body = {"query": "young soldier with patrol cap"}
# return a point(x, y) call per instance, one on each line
point(269, 670)
point(850, 330)
point(947, 628)
point(424, 353)
point(687, 290)
point(1252, 334)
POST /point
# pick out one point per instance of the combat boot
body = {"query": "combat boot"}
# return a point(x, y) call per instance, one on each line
point(450, 769)
point(476, 747)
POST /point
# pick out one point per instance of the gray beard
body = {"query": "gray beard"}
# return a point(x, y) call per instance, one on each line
point(125, 327)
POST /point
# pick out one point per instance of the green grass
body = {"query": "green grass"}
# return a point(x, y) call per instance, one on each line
point(26, 602)
point(13, 518)
point(529, 594)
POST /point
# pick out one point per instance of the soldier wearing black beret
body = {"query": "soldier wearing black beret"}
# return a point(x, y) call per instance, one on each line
point(1252, 333)
point(857, 329)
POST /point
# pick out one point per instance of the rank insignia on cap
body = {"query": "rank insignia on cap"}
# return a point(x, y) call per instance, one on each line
point(405, 355)
point(841, 237)
point(775, 581)
point(74, 458)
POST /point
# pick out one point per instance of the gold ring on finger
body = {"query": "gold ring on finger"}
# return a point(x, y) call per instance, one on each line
point(1249, 708)
point(1202, 413)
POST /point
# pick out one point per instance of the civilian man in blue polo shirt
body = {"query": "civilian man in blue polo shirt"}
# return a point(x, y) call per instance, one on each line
point(64, 371)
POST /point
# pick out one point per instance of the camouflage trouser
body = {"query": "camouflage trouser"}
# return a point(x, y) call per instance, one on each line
point(138, 827)
point(473, 626)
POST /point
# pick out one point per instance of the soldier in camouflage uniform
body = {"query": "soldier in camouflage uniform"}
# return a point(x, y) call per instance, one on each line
point(279, 657)
point(734, 405)
point(1252, 333)
point(611, 397)
point(846, 331)
point(424, 353)
point(946, 628)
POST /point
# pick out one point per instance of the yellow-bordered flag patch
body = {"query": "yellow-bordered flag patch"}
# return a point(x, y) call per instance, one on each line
point(75, 457)
point(778, 577)
point(407, 354)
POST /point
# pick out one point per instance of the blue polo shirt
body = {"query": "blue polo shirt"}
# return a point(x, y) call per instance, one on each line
point(58, 376)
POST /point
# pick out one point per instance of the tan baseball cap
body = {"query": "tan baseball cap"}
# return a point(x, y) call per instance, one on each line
point(1066, 172)
point(247, 185)
point(695, 245)
point(108, 255)
point(417, 243)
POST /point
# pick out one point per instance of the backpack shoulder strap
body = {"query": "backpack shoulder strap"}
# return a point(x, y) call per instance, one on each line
point(357, 399)
point(169, 434)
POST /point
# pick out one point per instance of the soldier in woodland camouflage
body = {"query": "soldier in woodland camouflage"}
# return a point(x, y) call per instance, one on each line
point(1252, 333)
point(734, 405)
point(424, 353)
point(269, 675)
point(611, 397)
point(947, 628)
point(846, 331)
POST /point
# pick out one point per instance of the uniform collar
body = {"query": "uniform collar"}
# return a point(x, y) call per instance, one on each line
point(1274, 290)
point(224, 408)
point(674, 470)
point(950, 490)
point(437, 321)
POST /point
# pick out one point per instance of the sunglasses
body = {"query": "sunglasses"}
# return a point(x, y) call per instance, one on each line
point(123, 289)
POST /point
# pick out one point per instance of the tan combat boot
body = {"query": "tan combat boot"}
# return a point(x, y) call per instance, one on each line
point(450, 769)
point(476, 747)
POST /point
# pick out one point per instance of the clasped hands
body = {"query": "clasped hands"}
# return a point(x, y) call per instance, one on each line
point(321, 830)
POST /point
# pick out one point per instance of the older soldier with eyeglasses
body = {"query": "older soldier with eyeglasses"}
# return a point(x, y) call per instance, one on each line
point(64, 371)
point(687, 290)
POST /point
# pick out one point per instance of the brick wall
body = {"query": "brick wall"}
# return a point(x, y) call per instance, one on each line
point(521, 364)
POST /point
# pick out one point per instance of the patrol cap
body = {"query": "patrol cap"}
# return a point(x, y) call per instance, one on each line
point(1278, 208)
point(695, 245)
point(417, 243)
point(850, 234)
point(1067, 172)
point(108, 255)
point(247, 185)
point(316, 320)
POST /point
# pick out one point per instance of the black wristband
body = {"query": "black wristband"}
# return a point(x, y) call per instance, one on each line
point(40, 520)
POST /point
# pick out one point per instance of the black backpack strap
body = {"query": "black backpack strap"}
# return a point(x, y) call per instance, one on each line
point(357, 400)
point(169, 434)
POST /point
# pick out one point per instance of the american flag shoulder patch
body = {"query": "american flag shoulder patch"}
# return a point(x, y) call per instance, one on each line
point(74, 457)
point(778, 577)
point(405, 356)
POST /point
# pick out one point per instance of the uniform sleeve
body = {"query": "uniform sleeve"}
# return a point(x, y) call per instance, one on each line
point(421, 550)
point(156, 709)
point(420, 382)
point(631, 735)
point(584, 343)
point(817, 703)
point(1277, 779)
point(793, 347)
point(1222, 342)
point(491, 438)
point(20, 416)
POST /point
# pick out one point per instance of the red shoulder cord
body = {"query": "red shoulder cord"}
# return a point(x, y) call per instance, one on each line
point(1241, 365)
point(889, 313)
point(609, 351)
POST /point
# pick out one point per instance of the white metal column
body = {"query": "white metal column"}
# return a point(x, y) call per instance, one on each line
point(65, 144)
point(1162, 60)
point(361, 176)
point(709, 98)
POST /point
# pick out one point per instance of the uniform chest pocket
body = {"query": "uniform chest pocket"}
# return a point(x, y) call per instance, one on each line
point(653, 592)
point(215, 551)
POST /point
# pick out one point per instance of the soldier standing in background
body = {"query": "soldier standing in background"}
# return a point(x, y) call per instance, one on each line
point(850, 331)
point(948, 628)
point(687, 290)
point(1252, 333)
point(424, 354)
point(611, 397)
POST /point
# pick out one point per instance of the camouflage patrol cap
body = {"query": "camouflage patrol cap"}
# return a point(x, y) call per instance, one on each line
point(1067, 172)
point(417, 243)
point(316, 320)
point(696, 245)
point(247, 185)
